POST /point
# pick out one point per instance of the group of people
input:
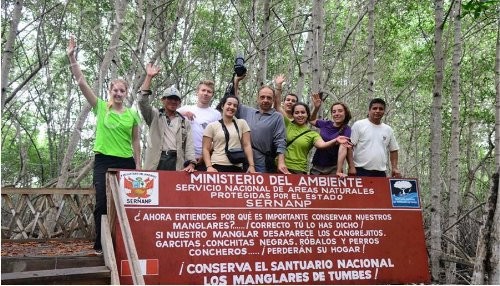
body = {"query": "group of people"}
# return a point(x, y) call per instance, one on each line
point(272, 138)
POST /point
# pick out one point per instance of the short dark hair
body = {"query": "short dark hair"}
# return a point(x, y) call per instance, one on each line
point(376, 100)
point(291, 94)
point(308, 111)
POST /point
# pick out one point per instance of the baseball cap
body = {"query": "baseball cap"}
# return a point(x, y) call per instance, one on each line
point(171, 92)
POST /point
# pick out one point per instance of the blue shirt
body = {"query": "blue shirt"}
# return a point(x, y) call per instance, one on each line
point(268, 133)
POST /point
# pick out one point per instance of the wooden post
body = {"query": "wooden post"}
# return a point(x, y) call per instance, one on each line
point(112, 183)
point(109, 252)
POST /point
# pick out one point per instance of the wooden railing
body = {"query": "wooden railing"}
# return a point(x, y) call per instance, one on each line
point(32, 213)
point(47, 213)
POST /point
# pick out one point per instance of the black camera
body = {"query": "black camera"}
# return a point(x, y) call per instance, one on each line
point(239, 65)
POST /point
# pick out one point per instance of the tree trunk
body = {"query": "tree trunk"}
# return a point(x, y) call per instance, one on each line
point(487, 262)
point(436, 126)
point(294, 65)
point(494, 270)
point(8, 50)
point(305, 64)
point(454, 159)
point(120, 6)
point(487, 267)
point(318, 36)
point(370, 73)
point(262, 46)
point(494, 273)
point(497, 105)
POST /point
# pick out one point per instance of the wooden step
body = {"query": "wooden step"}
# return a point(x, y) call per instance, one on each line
point(80, 275)
point(33, 263)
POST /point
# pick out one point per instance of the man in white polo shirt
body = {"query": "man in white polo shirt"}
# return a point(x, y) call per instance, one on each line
point(373, 140)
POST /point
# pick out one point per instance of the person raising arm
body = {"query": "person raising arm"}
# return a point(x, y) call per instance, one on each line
point(117, 139)
point(301, 139)
point(268, 130)
point(327, 161)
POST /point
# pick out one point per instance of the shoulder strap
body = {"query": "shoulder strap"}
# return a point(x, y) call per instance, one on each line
point(296, 137)
point(184, 131)
point(180, 115)
point(237, 130)
point(226, 133)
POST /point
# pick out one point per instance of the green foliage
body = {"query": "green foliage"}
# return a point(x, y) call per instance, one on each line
point(479, 8)
point(199, 40)
point(203, 44)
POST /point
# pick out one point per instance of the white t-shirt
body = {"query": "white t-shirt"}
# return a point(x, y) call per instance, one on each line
point(371, 143)
point(203, 116)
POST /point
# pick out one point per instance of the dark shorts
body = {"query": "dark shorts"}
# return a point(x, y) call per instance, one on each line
point(228, 168)
point(320, 170)
point(361, 172)
point(297, 172)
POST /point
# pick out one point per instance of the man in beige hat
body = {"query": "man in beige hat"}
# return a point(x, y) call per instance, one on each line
point(170, 142)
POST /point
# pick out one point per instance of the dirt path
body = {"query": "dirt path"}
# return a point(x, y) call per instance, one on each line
point(48, 248)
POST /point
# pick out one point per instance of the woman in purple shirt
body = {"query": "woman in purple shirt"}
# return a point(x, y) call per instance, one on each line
point(325, 160)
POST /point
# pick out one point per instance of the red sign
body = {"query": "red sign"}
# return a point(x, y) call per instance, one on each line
point(228, 228)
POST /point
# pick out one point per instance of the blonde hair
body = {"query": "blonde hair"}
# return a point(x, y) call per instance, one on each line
point(208, 83)
point(111, 100)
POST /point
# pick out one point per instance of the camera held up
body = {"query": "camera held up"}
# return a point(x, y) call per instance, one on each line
point(239, 70)
point(239, 65)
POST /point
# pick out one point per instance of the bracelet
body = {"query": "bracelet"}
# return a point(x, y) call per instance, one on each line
point(209, 166)
point(146, 91)
point(251, 166)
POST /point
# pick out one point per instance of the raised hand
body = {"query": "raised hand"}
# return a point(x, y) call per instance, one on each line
point(279, 80)
point(152, 70)
point(316, 99)
point(237, 78)
point(71, 46)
